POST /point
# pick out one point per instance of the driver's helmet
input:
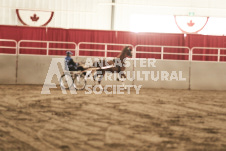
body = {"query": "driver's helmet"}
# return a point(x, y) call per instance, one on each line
point(69, 53)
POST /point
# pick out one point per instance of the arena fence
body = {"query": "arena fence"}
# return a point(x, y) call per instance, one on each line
point(8, 44)
point(47, 46)
point(38, 47)
point(32, 68)
point(216, 54)
point(96, 47)
point(162, 51)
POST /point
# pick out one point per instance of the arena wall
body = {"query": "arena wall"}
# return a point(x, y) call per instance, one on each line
point(8, 69)
point(199, 75)
point(208, 76)
point(33, 69)
point(162, 67)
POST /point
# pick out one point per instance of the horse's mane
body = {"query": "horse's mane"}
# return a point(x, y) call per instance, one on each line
point(122, 54)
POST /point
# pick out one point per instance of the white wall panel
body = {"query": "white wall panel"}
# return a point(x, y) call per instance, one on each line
point(85, 14)
point(126, 8)
point(96, 14)
point(208, 76)
point(167, 66)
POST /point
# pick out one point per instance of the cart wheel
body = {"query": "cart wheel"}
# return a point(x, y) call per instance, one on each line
point(80, 81)
point(66, 81)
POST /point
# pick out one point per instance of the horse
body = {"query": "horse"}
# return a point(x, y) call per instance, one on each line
point(116, 65)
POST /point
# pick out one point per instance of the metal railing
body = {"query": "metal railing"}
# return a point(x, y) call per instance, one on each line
point(17, 46)
point(105, 50)
point(162, 53)
point(9, 47)
point(47, 48)
point(218, 55)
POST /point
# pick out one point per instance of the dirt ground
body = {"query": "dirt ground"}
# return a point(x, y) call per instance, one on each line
point(156, 119)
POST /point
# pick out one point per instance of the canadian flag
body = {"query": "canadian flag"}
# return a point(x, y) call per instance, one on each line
point(191, 24)
point(34, 17)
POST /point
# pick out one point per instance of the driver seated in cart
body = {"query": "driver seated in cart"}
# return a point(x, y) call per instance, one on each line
point(70, 65)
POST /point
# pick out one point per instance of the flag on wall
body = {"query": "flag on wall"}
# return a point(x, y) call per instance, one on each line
point(34, 17)
point(191, 24)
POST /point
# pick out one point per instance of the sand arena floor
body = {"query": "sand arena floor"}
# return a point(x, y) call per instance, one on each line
point(155, 119)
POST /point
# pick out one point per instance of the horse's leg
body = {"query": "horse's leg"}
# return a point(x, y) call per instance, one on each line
point(94, 79)
point(123, 76)
point(96, 75)
point(100, 79)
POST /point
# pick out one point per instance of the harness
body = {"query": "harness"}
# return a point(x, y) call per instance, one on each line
point(117, 66)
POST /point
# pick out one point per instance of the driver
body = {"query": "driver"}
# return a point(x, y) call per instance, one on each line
point(70, 65)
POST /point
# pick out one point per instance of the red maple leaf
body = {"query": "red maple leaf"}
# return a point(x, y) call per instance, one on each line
point(190, 24)
point(34, 17)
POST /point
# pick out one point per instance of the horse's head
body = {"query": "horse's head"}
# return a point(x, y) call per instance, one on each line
point(127, 51)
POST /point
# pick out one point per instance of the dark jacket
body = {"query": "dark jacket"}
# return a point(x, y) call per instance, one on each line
point(70, 64)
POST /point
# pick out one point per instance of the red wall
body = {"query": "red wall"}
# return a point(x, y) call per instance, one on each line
point(78, 35)
point(206, 41)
